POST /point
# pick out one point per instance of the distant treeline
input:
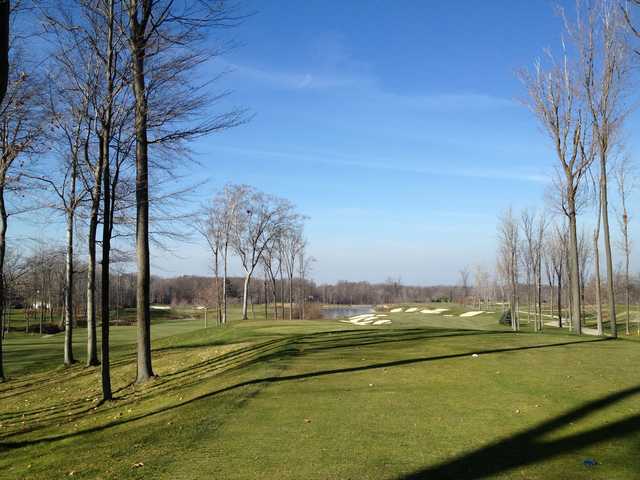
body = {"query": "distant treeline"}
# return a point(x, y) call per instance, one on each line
point(190, 289)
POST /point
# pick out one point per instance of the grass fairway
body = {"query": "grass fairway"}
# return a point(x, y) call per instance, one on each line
point(327, 400)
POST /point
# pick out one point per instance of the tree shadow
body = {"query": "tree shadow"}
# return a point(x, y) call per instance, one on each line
point(265, 381)
point(529, 446)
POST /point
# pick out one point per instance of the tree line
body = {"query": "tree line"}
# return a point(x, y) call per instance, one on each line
point(581, 99)
point(93, 130)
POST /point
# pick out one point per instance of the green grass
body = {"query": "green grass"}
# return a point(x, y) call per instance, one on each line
point(26, 353)
point(326, 400)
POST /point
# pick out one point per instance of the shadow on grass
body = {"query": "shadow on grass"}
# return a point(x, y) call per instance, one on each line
point(529, 447)
point(287, 350)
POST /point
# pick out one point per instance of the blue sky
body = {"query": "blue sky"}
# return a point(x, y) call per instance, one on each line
point(395, 126)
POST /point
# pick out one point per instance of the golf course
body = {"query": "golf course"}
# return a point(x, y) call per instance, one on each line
point(426, 396)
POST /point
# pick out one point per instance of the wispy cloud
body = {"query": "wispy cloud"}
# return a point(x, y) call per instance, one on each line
point(391, 165)
point(363, 84)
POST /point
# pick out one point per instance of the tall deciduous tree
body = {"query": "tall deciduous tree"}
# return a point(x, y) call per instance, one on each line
point(508, 261)
point(556, 101)
point(260, 219)
point(626, 183)
point(166, 46)
point(22, 124)
point(604, 71)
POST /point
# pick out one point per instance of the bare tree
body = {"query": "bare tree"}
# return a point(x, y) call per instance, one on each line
point(555, 99)
point(22, 123)
point(211, 227)
point(508, 260)
point(556, 260)
point(482, 284)
point(625, 181)
point(465, 273)
point(604, 72)
point(272, 266)
point(5, 12)
point(165, 43)
point(260, 219)
point(533, 229)
point(291, 243)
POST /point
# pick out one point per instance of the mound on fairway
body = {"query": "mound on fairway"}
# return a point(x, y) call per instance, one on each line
point(471, 314)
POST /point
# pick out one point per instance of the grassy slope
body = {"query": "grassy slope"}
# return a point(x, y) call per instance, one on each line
point(32, 353)
point(326, 400)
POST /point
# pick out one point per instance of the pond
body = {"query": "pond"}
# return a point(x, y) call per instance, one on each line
point(342, 311)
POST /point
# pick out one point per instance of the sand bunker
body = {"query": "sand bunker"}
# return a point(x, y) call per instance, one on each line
point(447, 315)
point(382, 322)
point(367, 319)
point(160, 307)
point(471, 314)
point(434, 311)
point(411, 310)
point(396, 310)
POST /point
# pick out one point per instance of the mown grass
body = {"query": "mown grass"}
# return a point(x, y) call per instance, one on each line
point(32, 352)
point(323, 399)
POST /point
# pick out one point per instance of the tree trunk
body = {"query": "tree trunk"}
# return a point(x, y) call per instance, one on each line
point(92, 343)
point(217, 287)
point(574, 273)
point(626, 271)
point(68, 292)
point(266, 298)
point(105, 313)
point(290, 297)
point(559, 299)
point(245, 294)
point(3, 236)
point(282, 292)
point(143, 313)
point(596, 254)
point(607, 246)
point(5, 10)
point(224, 284)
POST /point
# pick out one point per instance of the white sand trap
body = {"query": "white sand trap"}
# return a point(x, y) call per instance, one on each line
point(447, 315)
point(396, 310)
point(363, 322)
point(471, 314)
point(364, 315)
point(382, 322)
point(160, 307)
point(434, 311)
point(344, 321)
point(382, 315)
point(411, 310)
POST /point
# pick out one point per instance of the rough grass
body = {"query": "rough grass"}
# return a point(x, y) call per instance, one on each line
point(325, 400)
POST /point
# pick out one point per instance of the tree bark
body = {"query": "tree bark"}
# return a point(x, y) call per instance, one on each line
point(92, 343)
point(5, 10)
point(245, 294)
point(596, 254)
point(290, 297)
point(68, 293)
point(224, 284)
point(105, 313)
point(3, 236)
point(559, 274)
point(143, 313)
point(607, 246)
point(574, 273)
